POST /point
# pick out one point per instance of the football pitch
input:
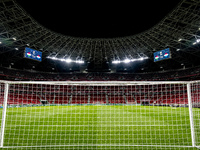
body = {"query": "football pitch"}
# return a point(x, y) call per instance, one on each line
point(99, 127)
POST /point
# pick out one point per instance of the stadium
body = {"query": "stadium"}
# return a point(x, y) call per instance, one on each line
point(125, 91)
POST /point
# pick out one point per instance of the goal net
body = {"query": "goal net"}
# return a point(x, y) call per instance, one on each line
point(100, 115)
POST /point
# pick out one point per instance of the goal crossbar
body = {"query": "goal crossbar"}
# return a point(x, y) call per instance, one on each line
point(97, 82)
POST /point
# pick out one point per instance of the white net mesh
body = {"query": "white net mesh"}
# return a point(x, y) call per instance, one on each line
point(195, 93)
point(100, 115)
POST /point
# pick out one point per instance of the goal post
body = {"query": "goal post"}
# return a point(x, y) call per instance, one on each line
point(191, 113)
point(4, 96)
point(195, 105)
point(71, 114)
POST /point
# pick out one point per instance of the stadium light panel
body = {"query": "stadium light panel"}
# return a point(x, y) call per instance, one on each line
point(127, 60)
point(14, 38)
point(141, 59)
point(80, 62)
point(116, 62)
point(197, 41)
point(54, 58)
point(68, 60)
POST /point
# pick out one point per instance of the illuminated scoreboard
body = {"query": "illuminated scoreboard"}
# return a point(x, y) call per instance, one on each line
point(33, 54)
point(162, 55)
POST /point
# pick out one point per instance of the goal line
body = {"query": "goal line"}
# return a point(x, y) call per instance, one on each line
point(101, 145)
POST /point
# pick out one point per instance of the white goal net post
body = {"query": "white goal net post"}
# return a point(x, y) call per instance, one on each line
point(76, 114)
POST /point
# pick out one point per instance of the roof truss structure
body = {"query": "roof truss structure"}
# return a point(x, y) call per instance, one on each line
point(178, 31)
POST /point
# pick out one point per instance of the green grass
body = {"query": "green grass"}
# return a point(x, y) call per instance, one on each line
point(99, 127)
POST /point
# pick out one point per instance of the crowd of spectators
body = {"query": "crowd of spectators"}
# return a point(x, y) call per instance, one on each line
point(24, 75)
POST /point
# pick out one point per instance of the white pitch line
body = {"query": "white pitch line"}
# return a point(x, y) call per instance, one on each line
point(96, 125)
point(172, 146)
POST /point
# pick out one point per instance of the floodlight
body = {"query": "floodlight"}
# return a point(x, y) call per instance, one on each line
point(68, 60)
point(127, 60)
point(116, 62)
point(81, 61)
point(141, 58)
point(197, 41)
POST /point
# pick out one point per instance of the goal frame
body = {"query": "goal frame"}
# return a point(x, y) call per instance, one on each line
point(99, 83)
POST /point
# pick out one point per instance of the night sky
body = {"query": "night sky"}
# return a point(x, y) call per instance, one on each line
point(98, 19)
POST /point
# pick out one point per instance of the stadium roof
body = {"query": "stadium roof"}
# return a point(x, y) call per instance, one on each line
point(179, 30)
